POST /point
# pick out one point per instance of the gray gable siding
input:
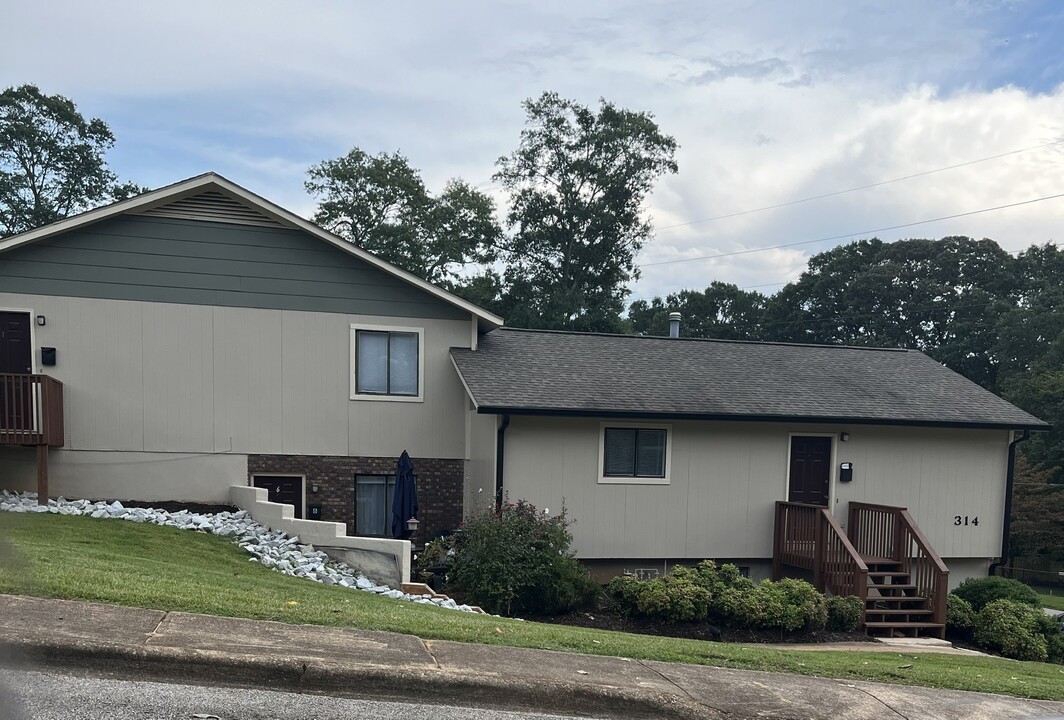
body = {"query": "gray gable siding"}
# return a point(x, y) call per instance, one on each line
point(206, 263)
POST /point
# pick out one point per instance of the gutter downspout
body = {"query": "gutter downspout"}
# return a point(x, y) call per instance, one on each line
point(500, 447)
point(1006, 525)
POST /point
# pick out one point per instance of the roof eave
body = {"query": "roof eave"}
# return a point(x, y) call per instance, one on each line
point(802, 419)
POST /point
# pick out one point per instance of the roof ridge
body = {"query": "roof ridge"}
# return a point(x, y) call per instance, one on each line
point(580, 333)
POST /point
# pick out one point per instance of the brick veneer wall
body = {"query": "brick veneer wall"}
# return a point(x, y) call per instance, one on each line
point(439, 486)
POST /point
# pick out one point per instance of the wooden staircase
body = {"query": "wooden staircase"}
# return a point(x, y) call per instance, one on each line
point(894, 606)
point(884, 559)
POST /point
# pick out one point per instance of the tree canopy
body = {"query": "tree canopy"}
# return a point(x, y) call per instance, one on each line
point(51, 160)
point(380, 203)
point(577, 183)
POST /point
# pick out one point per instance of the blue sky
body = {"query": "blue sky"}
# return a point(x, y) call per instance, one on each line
point(770, 102)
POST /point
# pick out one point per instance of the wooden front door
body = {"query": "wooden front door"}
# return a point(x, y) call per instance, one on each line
point(810, 469)
point(16, 357)
point(287, 489)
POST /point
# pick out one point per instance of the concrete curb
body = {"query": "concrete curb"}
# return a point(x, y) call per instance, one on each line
point(350, 680)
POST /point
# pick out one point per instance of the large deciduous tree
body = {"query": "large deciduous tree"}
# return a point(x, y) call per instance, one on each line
point(721, 311)
point(51, 160)
point(942, 297)
point(577, 183)
point(380, 203)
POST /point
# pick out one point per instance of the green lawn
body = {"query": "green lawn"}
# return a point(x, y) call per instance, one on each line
point(168, 569)
point(1055, 601)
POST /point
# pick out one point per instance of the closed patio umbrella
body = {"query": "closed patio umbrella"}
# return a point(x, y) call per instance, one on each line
point(404, 501)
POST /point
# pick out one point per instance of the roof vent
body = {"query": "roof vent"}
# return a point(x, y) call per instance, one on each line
point(674, 324)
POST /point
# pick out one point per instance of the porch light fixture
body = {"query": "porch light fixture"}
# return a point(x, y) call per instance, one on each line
point(40, 320)
point(412, 524)
point(844, 436)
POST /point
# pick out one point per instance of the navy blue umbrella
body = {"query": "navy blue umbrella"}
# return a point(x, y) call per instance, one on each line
point(404, 500)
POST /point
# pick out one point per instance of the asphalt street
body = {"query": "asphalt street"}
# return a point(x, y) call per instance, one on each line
point(41, 696)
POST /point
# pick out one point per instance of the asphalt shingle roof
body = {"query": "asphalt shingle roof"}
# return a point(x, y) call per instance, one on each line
point(526, 371)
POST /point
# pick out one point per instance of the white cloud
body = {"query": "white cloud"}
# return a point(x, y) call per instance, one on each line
point(770, 102)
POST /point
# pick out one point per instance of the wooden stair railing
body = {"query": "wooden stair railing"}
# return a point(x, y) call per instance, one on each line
point(810, 538)
point(909, 580)
point(31, 414)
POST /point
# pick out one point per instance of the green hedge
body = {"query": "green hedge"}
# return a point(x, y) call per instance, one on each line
point(722, 596)
point(980, 592)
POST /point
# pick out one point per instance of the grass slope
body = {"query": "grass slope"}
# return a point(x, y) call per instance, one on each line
point(1055, 602)
point(164, 568)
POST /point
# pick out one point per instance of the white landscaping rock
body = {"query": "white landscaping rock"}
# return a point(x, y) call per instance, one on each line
point(272, 549)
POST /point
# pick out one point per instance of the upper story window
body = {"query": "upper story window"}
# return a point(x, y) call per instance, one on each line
point(631, 453)
point(387, 363)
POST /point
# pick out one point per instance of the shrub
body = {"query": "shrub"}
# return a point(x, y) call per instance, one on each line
point(844, 613)
point(678, 597)
point(1052, 628)
point(786, 605)
point(960, 617)
point(980, 592)
point(514, 559)
point(1012, 629)
point(623, 591)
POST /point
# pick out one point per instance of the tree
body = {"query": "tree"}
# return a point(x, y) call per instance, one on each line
point(942, 297)
point(380, 203)
point(51, 160)
point(722, 311)
point(577, 184)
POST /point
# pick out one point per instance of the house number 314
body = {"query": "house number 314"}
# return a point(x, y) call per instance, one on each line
point(965, 520)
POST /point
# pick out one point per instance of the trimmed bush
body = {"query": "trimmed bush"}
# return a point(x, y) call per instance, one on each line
point(514, 559)
point(844, 613)
point(960, 617)
point(677, 597)
point(786, 605)
point(1012, 629)
point(623, 591)
point(980, 592)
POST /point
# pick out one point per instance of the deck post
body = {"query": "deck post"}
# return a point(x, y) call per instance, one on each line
point(777, 543)
point(42, 474)
point(818, 550)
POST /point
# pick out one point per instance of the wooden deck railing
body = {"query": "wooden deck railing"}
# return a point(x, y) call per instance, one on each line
point(31, 410)
point(889, 532)
point(810, 538)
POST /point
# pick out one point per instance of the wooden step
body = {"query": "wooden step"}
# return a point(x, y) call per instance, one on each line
point(887, 573)
point(903, 625)
point(873, 560)
point(899, 611)
point(892, 586)
point(888, 599)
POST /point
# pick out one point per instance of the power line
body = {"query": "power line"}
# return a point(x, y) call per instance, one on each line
point(852, 234)
point(855, 189)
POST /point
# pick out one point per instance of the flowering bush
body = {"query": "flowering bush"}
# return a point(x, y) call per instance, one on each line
point(514, 559)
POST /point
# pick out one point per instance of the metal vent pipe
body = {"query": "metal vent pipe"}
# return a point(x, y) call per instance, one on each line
point(674, 324)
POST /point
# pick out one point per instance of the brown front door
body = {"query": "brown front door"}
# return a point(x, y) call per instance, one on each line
point(810, 469)
point(16, 356)
point(283, 489)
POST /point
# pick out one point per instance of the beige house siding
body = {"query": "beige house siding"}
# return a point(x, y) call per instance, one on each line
point(726, 477)
point(159, 377)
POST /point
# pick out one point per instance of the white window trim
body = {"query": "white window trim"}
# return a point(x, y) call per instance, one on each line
point(604, 479)
point(355, 395)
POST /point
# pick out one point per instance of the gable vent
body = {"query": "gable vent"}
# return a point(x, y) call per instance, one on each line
point(213, 207)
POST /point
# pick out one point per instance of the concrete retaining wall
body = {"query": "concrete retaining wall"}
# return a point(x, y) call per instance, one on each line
point(382, 560)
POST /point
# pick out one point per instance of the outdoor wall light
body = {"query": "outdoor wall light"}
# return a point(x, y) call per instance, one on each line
point(412, 524)
point(40, 320)
point(844, 436)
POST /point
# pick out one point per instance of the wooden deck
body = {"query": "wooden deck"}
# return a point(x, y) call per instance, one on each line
point(31, 414)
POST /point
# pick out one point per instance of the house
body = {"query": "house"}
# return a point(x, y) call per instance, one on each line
point(875, 472)
point(198, 336)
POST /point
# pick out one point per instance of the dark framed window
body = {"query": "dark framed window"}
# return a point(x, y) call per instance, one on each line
point(634, 452)
point(387, 363)
point(373, 504)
